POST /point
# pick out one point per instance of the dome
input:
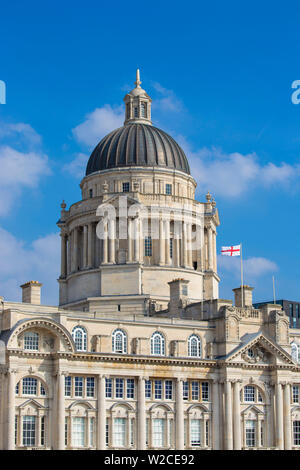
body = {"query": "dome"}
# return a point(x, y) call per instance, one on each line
point(137, 144)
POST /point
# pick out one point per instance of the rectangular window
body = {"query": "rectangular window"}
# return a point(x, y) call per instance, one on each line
point(296, 433)
point(119, 437)
point(132, 432)
point(125, 187)
point(78, 386)
point(185, 386)
point(295, 394)
point(148, 389)
point(130, 388)
point(16, 430)
point(168, 189)
point(90, 386)
point(29, 386)
point(92, 432)
point(107, 432)
point(168, 389)
point(42, 390)
point(147, 432)
point(78, 432)
point(249, 393)
point(195, 390)
point(29, 427)
point(158, 389)
point(68, 386)
point(205, 391)
point(43, 430)
point(158, 435)
point(108, 388)
point(195, 432)
point(171, 248)
point(66, 431)
point(119, 388)
point(250, 433)
point(148, 246)
point(207, 433)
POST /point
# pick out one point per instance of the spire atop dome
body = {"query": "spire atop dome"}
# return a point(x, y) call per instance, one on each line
point(138, 104)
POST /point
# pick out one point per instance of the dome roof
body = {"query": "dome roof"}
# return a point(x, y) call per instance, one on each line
point(137, 144)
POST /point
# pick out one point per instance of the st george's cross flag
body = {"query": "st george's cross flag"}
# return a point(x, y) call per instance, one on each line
point(231, 250)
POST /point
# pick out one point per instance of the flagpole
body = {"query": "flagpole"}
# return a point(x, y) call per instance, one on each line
point(242, 278)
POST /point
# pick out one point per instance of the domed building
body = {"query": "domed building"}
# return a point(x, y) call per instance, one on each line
point(168, 234)
point(141, 353)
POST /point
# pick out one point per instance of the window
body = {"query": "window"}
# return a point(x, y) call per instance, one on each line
point(291, 309)
point(143, 109)
point(108, 388)
point(119, 342)
point(297, 310)
point(130, 388)
point(195, 390)
point(43, 430)
point(249, 393)
point(295, 394)
point(126, 187)
point(91, 193)
point(168, 189)
point(148, 389)
point(78, 386)
point(136, 112)
point(184, 290)
point(171, 248)
point(205, 391)
point(148, 246)
point(78, 432)
point(194, 345)
point(68, 386)
point(168, 389)
point(296, 432)
point(42, 390)
point(185, 386)
point(29, 427)
point(90, 387)
point(66, 431)
point(92, 432)
point(157, 344)
point(16, 430)
point(295, 352)
point(107, 432)
point(119, 432)
point(195, 432)
point(17, 388)
point(158, 389)
point(31, 341)
point(119, 388)
point(250, 433)
point(250, 353)
point(29, 386)
point(80, 338)
point(158, 432)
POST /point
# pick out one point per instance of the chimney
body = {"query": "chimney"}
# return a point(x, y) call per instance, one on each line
point(31, 292)
point(247, 294)
point(178, 295)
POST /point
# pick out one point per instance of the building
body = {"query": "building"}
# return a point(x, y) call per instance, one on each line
point(141, 353)
point(291, 308)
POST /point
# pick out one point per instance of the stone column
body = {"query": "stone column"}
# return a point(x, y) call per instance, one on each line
point(190, 251)
point(60, 411)
point(85, 245)
point(136, 240)
point(90, 246)
point(216, 416)
point(11, 411)
point(184, 245)
point(129, 241)
point(75, 248)
point(167, 242)
point(236, 416)
point(63, 270)
point(141, 418)
point(179, 426)
point(287, 417)
point(101, 414)
point(105, 244)
point(279, 416)
point(228, 416)
point(161, 242)
point(214, 251)
point(210, 249)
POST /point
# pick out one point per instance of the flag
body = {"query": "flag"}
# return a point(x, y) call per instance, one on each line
point(231, 250)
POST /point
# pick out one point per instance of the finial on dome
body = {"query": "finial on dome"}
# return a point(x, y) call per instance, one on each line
point(138, 81)
point(208, 196)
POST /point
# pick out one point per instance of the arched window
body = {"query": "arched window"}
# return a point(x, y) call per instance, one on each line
point(31, 341)
point(194, 346)
point(251, 394)
point(30, 386)
point(119, 342)
point(157, 344)
point(295, 352)
point(80, 338)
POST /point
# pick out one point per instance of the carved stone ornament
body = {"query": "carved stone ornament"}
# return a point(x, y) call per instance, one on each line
point(255, 354)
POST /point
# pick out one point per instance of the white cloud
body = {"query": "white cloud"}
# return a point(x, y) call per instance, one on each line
point(23, 132)
point(168, 102)
point(254, 267)
point(19, 171)
point(21, 263)
point(97, 124)
point(77, 166)
point(231, 175)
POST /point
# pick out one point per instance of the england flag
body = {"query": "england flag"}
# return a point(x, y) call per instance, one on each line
point(231, 250)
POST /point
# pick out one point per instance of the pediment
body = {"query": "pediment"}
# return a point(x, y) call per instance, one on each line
point(259, 350)
point(251, 411)
point(115, 200)
point(31, 404)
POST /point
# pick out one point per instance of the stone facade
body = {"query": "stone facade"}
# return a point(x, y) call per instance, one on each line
point(141, 353)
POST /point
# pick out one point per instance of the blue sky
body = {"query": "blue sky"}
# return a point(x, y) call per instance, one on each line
point(220, 76)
